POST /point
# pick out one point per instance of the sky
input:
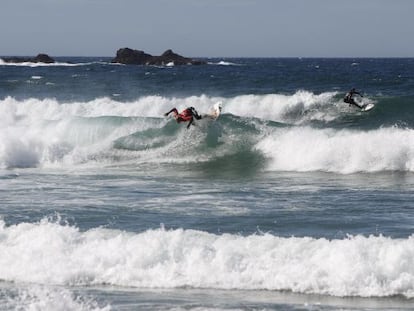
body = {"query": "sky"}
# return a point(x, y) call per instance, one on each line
point(209, 28)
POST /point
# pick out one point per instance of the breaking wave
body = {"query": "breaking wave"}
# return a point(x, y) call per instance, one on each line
point(274, 132)
point(344, 151)
point(53, 253)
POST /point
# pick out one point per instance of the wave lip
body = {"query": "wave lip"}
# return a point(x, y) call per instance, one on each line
point(51, 253)
point(298, 108)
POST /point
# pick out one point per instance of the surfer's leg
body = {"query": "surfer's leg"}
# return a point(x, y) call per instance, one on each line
point(189, 123)
point(353, 102)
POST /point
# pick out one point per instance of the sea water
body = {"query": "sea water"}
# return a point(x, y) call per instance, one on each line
point(290, 200)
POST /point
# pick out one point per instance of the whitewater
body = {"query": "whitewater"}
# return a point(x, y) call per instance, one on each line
point(290, 200)
point(49, 133)
point(54, 253)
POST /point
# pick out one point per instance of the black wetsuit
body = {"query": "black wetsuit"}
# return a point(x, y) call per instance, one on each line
point(195, 114)
point(349, 98)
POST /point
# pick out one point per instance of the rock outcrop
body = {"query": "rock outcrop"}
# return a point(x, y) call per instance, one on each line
point(40, 58)
point(136, 57)
point(131, 57)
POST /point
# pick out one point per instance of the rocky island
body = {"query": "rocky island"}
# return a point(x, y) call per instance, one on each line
point(40, 58)
point(136, 57)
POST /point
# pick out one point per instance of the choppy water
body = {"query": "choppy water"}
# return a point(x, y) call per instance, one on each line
point(291, 200)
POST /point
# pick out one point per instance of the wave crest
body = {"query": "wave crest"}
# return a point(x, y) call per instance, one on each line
point(260, 132)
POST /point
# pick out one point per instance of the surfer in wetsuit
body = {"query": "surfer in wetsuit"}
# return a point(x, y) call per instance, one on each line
point(187, 114)
point(349, 97)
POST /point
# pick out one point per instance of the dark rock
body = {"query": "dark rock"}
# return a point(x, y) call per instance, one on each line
point(131, 57)
point(43, 58)
point(136, 57)
point(40, 58)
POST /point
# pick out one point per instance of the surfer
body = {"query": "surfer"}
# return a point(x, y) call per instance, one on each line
point(187, 114)
point(349, 97)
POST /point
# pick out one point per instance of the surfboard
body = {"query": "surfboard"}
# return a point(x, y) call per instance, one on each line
point(214, 112)
point(367, 107)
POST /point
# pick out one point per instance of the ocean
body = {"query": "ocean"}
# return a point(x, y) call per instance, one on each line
point(290, 200)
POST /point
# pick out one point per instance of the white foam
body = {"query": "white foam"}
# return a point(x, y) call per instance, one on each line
point(35, 132)
point(40, 64)
point(295, 108)
point(149, 106)
point(344, 151)
point(46, 132)
point(224, 63)
point(269, 107)
point(37, 297)
point(50, 253)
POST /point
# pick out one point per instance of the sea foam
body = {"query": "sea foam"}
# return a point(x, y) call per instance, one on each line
point(52, 253)
point(40, 64)
point(273, 107)
point(297, 108)
point(344, 151)
point(49, 298)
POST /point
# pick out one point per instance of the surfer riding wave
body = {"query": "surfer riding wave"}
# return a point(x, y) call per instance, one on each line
point(186, 115)
point(349, 98)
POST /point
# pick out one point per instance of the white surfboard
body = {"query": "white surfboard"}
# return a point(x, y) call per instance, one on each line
point(215, 111)
point(367, 107)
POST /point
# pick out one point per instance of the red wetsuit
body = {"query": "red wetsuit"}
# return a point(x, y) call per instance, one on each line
point(187, 114)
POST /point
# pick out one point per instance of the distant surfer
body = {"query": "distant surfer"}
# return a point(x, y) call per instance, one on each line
point(186, 115)
point(349, 97)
